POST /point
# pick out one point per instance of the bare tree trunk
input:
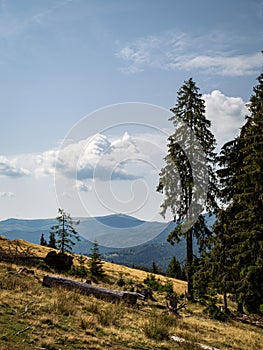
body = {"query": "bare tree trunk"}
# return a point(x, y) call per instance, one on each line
point(189, 264)
point(225, 302)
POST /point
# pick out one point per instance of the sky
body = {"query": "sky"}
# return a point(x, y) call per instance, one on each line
point(86, 88)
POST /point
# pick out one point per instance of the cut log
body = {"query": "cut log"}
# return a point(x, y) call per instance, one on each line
point(88, 289)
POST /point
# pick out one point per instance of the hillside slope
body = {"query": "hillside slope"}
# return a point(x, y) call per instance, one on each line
point(36, 317)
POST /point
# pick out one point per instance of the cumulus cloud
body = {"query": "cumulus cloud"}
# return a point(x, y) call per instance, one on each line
point(174, 50)
point(95, 157)
point(227, 115)
point(8, 168)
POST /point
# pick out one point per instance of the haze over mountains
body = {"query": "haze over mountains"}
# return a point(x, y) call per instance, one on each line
point(122, 239)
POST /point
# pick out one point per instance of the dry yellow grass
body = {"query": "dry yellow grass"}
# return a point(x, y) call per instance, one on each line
point(35, 317)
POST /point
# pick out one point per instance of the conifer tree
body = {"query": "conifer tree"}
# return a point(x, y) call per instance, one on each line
point(95, 262)
point(239, 228)
point(52, 240)
point(174, 269)
point(65, 231)
point(188, 180)
point(43, 242)
point(248, 201)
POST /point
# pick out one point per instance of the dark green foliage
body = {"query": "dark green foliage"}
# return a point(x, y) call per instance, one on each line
point(237, 254)
point(95, 262)
point(52, 240)
point(65, 231)
point(214, 311)
point(43, 242)
point(79, 271)
point(156, 269)
point(43, 266)
point(174, 269)
point(188, 180)
point(121, 281)
point(155, 285)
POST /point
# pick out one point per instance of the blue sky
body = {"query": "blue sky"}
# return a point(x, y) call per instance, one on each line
point(62, 61)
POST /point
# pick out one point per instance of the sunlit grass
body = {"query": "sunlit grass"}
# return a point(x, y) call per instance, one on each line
point(35, 317)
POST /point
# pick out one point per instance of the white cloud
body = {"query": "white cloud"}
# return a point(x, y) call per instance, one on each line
point(82, 187)
point(8, 168)
point(6, 194)
point(227, 115)
point(175, 50)
point(95, 157)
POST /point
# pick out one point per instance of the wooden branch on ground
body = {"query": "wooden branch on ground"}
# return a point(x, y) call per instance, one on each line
point(88, 289)
point(23, 330)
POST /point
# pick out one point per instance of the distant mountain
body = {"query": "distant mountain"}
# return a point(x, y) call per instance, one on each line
point(122, 239)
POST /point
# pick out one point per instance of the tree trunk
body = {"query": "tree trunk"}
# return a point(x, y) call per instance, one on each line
point(189, 264)
point(87, 289)
point(240, 309)
point(225, 302)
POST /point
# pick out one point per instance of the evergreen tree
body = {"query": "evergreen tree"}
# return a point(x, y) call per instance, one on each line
point(156, 269)
point(188, 180)
point(65, 231)
point(248, 202)
point(95, 262)
point(239, 229)
point(174, 269)
point(52, 240)
point(43, 242)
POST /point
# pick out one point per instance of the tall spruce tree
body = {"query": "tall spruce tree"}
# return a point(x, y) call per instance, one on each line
point(248, 201)
point(215, 270)
point(188, 180)
point(65, 231)
point(238, 231)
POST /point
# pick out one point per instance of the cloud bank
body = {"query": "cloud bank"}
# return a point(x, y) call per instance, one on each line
point(8, 168)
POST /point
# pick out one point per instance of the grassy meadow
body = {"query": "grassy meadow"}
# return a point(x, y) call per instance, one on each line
point(36, 317)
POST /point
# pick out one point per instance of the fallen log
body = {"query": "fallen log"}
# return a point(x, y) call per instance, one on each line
point(88, 289)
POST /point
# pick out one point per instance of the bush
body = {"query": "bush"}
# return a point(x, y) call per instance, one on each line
point(15, 282)
point(155, 284)
point(43, 266)
point(121, 281)
point(78, 271)
point(214, 312)
point(64, 302)
point(158, 326)
point(110, 315)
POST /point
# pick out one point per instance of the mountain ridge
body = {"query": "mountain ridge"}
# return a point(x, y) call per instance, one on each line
point(122, 239)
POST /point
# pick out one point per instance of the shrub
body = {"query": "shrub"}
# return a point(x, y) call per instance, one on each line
point(110, 315)
point(158, 326)
point(43, 266)
point(214, 312)
point(15, 282)
point(78, 271)
point(155, 284)
point(121, 281)
point(64, 302)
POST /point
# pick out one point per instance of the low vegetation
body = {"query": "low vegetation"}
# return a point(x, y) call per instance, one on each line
point(36, 317)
